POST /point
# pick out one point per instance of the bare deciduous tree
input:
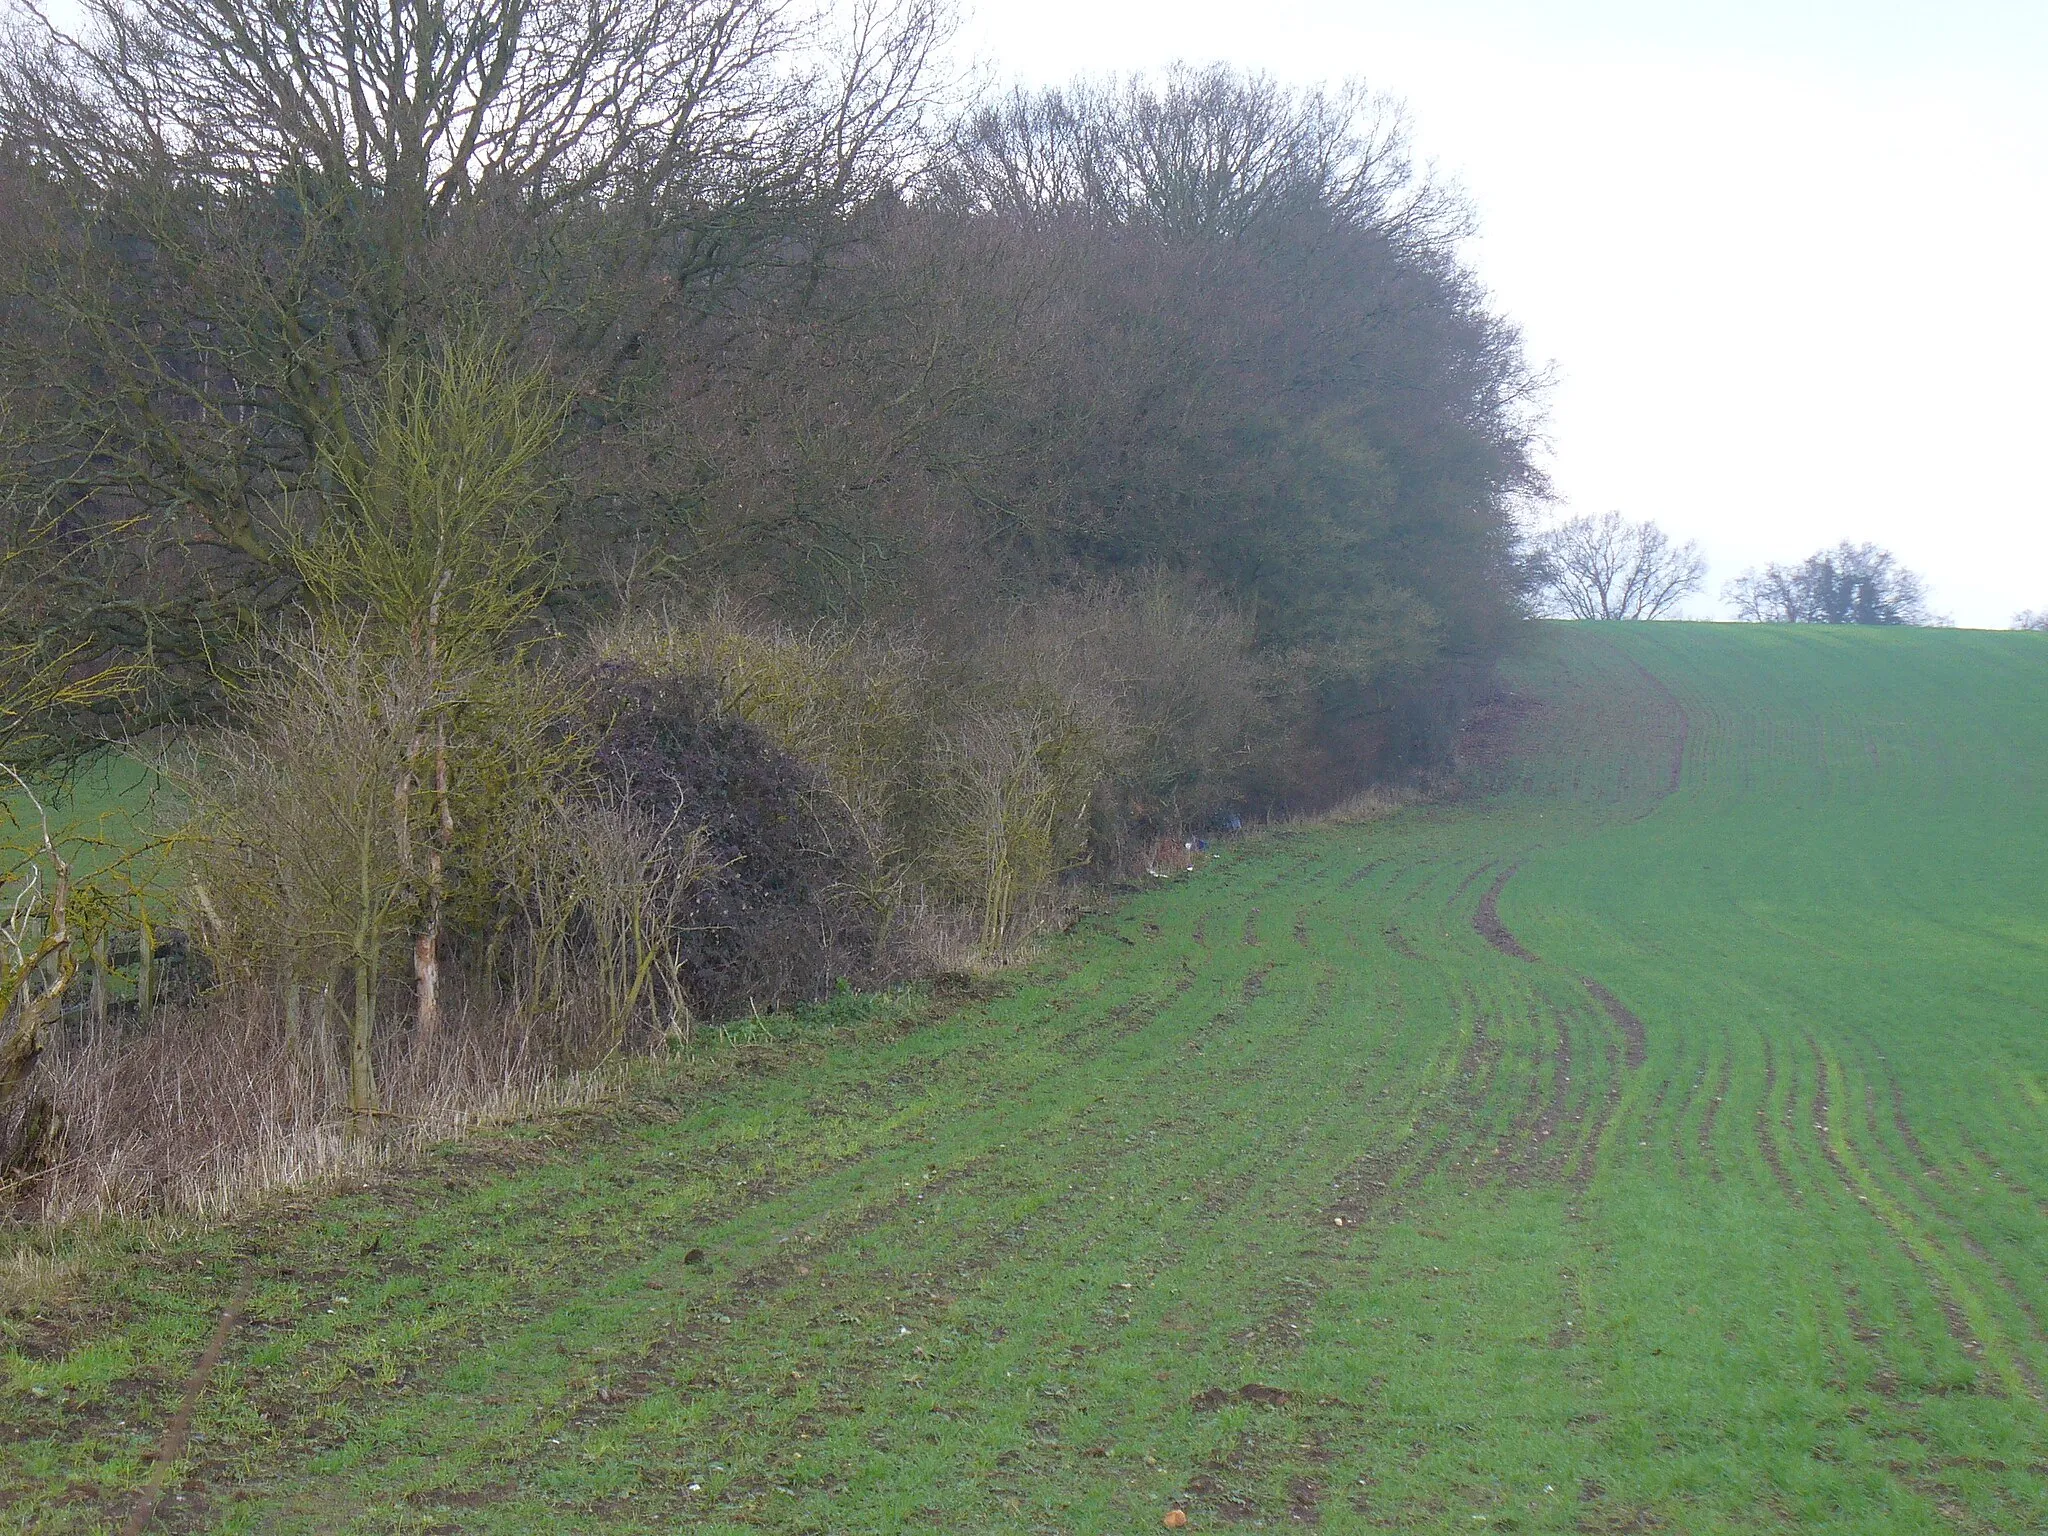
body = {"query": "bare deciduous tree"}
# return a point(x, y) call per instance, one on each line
point(1201, 153)
point(1849, 584)
point(223, 215)
point(438, 559)
point(1609, 568)
point(2031, 618)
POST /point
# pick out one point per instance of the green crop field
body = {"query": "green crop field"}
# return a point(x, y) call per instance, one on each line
point(113, 812)
point(1653, 1140)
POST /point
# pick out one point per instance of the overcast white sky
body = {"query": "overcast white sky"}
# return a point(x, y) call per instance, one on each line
point(1790, 259)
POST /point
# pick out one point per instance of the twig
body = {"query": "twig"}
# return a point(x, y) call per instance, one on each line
point(43, 1173)
point(173, 1444)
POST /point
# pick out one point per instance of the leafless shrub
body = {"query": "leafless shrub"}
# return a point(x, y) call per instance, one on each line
point(310, 870)
point(1164, 681)
point(364, 802)
point(38, 958)
point(255, 1083)
point(214, 1105)
point(1013, 792)
point(303, 881)
point(2031, 618)
point(1066, 732)
point(634, 879)
point(304, 866)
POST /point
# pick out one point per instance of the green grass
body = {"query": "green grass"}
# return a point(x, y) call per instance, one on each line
point(1005, 1266)
point(109, 817)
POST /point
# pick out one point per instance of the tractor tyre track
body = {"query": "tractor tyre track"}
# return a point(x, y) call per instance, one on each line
point(1944, 1290)
point(1487, 924)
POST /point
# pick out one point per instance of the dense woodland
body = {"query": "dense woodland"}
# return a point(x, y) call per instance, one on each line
point(610, 516)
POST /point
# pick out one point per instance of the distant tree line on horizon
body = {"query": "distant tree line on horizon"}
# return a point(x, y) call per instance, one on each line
point(1610, 568)
point(1849, 584)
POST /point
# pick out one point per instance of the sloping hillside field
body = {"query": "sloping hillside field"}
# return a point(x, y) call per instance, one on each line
point(1656, 1142)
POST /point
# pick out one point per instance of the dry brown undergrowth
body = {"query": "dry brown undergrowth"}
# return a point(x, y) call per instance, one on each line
point(197, 1118)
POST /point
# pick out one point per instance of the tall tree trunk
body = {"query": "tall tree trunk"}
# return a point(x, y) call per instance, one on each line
point(362, 1079)
point(37, 1144)
point(369, 936)
point(96, 995)
point(145, 969)
point(36, 1009)
point(426, 950)
point(23, 1047)
point(426, 975)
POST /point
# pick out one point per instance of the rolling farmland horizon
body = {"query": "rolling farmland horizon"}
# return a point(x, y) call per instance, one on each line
point(1651, 1138)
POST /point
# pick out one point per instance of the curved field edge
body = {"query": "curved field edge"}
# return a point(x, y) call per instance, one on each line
point(1707, 1202)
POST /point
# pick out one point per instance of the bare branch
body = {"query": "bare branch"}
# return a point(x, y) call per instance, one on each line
point(1608, 568)
point(1849, 584)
